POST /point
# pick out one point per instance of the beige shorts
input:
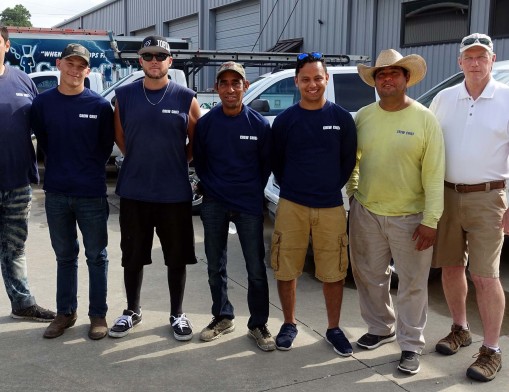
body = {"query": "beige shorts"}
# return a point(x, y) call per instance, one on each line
point(295, 225)
point(469, 231)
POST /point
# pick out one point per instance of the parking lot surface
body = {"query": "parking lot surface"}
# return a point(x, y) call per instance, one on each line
point(150, 359)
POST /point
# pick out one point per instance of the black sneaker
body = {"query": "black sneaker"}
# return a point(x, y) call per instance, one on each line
point(339, 341)
point(125, 323)
point(286, 336)
point(409, 362)
point(34, 312)
point(370, 341)
point(182, 327)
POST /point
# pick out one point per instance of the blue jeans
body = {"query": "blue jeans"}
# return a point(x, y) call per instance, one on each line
point(14, 209)
point(216, 218)
point(91, 216)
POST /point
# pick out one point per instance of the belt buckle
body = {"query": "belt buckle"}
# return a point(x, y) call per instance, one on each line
point(456, 188)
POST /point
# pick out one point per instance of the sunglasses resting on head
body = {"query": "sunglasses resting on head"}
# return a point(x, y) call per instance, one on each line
point(309, 56)
point(470, 41)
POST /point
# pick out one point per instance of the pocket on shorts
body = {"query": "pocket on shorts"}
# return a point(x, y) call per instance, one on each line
point(274, 250)
point(343, 252)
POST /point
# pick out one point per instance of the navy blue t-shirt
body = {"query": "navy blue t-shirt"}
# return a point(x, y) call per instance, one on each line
point(76, 134)
point(155, 165)
point(313, 154)
point(232, 158)
point(18, 165)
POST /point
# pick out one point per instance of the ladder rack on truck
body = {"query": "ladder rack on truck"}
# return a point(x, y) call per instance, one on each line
point(249, 59)
point(192, 61)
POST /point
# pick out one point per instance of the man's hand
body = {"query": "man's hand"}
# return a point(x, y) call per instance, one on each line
point(425, 237)
point(505, 222)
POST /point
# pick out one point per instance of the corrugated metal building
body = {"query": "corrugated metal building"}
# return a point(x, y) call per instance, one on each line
point(431, 28)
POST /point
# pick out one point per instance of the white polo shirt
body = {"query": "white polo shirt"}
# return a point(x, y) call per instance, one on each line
point(476, 133)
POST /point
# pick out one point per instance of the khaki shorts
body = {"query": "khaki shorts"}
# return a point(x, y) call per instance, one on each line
point(294, 225)
point(470, 231)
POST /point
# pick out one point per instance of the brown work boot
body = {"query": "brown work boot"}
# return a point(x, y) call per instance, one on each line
point(486, 366)
point(58, 326)
point(458, 337)
point(98, 328)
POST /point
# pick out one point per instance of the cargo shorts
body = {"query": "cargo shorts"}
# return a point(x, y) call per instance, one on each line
point(296, 225)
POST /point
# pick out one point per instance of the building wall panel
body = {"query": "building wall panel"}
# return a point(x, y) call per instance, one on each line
point(185, 28)
point(322, 24)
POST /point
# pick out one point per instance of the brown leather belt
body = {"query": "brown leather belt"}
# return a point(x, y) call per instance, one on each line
point(483, 187)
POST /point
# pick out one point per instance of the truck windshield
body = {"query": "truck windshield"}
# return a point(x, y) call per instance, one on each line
point(253, 85)
point(114, 86)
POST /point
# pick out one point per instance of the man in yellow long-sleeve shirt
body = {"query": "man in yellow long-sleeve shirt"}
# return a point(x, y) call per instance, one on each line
point(396, 192)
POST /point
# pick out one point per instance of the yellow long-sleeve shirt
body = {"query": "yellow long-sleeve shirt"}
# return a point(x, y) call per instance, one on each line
point(400, 163)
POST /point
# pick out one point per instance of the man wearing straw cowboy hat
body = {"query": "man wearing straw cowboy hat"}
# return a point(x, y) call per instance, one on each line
point(475, 122)
point(396, 192)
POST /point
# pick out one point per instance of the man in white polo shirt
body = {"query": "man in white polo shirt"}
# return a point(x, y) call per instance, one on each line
point(475, 123)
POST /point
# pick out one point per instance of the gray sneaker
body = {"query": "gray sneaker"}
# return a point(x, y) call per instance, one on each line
point(458, 337)
point(409, 362)
point(216, 328)
point(263, 338)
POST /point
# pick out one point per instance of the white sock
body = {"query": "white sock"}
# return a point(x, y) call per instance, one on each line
point(495, 348)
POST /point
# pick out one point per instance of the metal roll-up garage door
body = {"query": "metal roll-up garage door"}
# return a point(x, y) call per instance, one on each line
point(237, 29)
point(185, 28)
point(145, 32)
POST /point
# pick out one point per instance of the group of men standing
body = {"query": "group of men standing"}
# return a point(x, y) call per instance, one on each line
point(423, 185)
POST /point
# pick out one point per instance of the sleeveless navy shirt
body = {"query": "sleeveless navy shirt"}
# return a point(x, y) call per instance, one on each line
point(155, 167)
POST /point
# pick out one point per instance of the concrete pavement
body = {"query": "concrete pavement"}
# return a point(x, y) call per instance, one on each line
point(150, 359)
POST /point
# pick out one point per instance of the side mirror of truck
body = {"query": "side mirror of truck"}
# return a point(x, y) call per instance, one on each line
point(260, 105)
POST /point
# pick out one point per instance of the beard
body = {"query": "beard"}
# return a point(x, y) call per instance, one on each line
point(156, 76)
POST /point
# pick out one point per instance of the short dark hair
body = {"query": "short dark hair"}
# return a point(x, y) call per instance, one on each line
point(309, 58)
point(4, 32)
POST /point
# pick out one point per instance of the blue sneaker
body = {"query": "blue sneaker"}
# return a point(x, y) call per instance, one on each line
point(337, 338)
point(285, 337)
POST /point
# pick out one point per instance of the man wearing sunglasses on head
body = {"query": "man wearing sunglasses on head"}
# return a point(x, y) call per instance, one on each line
point(154, 128)
point(474, 117)
point(314, 144)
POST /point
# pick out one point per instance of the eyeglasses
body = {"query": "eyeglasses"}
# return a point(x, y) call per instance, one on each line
point(310, 56)
point(470, 41)
point(158, 56)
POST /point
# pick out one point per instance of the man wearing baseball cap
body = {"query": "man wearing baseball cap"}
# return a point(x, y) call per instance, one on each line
point(475, 124)
point(154, 128)
point(74, 129)
point(232, 160)
point(396, 192)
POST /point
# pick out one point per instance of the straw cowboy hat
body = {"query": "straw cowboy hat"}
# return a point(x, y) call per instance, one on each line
point(413, 63)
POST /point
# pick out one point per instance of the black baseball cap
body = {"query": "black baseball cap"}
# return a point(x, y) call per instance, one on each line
point(155, 44)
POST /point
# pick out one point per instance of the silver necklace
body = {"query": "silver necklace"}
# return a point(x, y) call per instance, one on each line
point(158, 102)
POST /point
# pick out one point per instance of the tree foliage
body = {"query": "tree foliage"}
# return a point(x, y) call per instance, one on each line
point(16, 16)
